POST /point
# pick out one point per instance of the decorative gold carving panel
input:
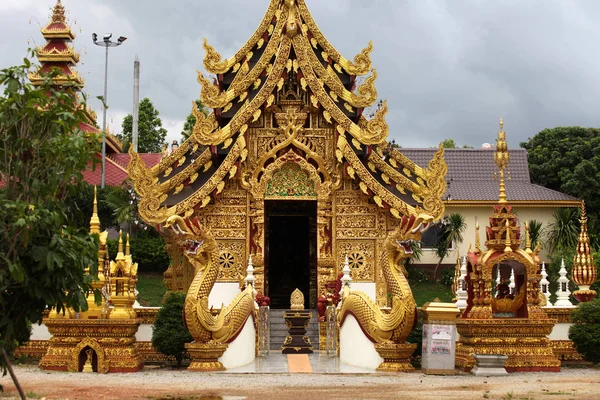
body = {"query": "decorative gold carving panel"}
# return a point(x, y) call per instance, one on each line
point(361, 257)
point(231, 260)
point(290, 181)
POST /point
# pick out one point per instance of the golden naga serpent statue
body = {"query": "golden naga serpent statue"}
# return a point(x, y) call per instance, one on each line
point(395, 326)
point(201, 250)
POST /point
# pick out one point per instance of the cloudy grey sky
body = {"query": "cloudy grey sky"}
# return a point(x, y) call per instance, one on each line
point(449, 68)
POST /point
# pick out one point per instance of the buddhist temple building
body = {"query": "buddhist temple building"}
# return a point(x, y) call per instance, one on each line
point(288, 168)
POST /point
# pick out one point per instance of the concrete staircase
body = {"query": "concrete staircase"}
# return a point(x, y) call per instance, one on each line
point(279, 330)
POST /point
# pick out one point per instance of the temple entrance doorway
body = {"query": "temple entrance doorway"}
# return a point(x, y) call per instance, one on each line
point(291, 251)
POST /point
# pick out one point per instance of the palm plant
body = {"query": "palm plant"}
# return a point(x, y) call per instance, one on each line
point(564, 230)
point(454, 226)
point(536, 233)
point(123, 205)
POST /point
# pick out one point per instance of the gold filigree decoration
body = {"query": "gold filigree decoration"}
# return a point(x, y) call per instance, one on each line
point(290, 181)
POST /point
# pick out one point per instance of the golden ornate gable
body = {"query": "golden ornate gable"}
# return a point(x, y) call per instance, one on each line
point(288, 89)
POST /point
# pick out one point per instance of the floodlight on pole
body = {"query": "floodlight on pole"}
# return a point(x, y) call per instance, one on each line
point(106, 42)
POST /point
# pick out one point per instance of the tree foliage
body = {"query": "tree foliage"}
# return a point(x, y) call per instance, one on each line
point(451, 144)
point(151, 134)
point(190, 121)
point(585, 333)
point(169, 334)
point(567, 159)
point(42, 156)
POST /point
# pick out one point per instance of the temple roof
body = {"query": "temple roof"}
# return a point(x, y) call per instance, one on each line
point(287, 49)
point(471, 177)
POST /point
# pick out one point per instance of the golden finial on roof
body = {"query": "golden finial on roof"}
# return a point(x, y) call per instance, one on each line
point(584, 270)
point(527, 239)
point(58, 12)
point(127, 248)
point(120, 250)
point(477, 240)
point(95, 220)
point(507, 249)
point(502, 159)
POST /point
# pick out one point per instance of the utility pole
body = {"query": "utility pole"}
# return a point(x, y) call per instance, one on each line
point(136, 103)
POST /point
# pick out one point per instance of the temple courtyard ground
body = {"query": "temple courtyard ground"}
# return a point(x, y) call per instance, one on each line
point(154, 383)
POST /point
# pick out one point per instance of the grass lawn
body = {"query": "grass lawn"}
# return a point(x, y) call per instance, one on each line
point(428, 291)
point(152, 289)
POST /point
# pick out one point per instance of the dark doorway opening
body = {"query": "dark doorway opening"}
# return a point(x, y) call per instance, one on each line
point(291, 251)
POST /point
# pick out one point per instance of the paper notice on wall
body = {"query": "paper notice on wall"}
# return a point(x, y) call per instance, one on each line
point(441, 332)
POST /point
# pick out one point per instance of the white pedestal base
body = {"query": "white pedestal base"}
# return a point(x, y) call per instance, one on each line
point(241, 351)
point(355, 348)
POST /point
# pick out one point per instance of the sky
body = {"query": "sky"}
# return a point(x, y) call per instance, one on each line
point(448, 68)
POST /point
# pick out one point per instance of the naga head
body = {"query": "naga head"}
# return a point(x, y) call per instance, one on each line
point(189, 233)
point(408, 234)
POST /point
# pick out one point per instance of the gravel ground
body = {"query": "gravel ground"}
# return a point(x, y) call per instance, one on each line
point(579, 384)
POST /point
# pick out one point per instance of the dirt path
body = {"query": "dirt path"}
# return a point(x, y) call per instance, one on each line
point(579, 384)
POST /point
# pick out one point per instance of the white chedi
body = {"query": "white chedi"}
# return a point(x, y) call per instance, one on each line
point(461, 290)
point(545, 285)
point(346, 279)
point(511, 285)
point(563, 293)
point(498, 280)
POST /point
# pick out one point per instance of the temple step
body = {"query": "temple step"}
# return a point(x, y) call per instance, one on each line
point(279, 330)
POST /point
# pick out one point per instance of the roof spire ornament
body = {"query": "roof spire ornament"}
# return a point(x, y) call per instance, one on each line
point(58, 51)
point(95, 220)
point(527, 239)
point(507, 242)
point(584, 270)
point(477, 239)
point(502, 159)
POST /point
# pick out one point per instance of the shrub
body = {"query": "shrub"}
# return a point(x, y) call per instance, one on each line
point(148, 252)
point(585, 333)
point(447, 277)
point(416, 336)
point(169, 334)
point(416, 274)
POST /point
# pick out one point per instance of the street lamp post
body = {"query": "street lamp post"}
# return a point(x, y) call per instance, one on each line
point(106, 42)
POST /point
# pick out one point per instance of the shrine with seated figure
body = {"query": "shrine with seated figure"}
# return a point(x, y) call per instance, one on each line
point(503, 313)
point(509, 290)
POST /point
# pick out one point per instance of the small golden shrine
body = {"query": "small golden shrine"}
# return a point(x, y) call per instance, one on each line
point(102, 338)
point(584, 270)
point(292, 166)
point(505, 317)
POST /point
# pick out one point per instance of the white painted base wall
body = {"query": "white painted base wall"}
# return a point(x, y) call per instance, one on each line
point(560, 331)
point(367, 288)
point(223, 293)
point(355, 348)
point(242, 350)
point(39, 332)
point(144, 333)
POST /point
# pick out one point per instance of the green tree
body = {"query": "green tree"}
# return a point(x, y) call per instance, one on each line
point(169, 334)
point(151, 134)
point(42, 156)
point(567, 159)
point(585, 333)
point(449, 144)
point(190, 121)
point(454, 227)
